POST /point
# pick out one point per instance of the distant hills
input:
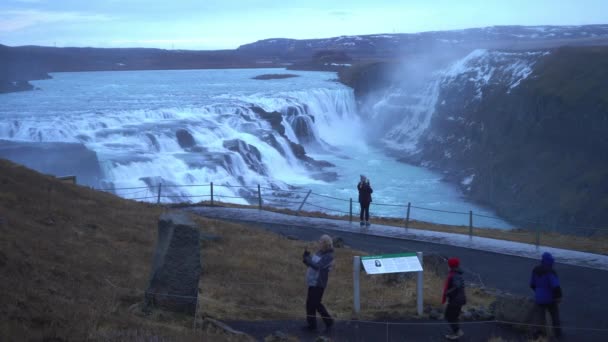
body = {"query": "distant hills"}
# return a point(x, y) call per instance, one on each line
point(24, 63)
point(387, 45)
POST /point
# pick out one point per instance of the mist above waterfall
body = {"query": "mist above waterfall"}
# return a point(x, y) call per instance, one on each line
point(403, 110)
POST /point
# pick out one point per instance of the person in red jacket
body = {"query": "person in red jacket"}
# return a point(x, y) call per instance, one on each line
point(454, 293)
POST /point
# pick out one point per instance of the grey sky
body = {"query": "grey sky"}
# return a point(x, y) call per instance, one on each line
point(219, 24)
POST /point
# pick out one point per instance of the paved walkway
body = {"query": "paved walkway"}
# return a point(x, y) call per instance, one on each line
point(563, 256)
point(494, 264)
point(361, 331)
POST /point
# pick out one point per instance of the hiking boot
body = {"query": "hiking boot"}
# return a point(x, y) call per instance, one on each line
point(455, 336)
point(362, 223)
point(367, 223)
point(328, 327)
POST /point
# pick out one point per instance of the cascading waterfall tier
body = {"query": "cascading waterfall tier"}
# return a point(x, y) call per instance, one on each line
point(255, 133)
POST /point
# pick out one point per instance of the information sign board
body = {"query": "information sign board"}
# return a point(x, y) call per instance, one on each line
point(391, 263)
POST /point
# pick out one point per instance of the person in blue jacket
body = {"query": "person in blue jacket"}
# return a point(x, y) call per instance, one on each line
point(547, 292)
point(317, 276)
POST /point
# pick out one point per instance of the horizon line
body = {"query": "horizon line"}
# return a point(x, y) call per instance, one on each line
point(298, 39)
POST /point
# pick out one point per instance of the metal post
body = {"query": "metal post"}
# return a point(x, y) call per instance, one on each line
point(304, 201)
point(48, 203)
point(350, 219)
point(356, 276)
point(259, 197)
point(419, 286)
point(471, 223)
point(159, 190)
point(211, 193)
point(407, 216)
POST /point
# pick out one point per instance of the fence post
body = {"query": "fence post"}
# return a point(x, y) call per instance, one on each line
point(211, 193)
point(471, 223)
point(356, 276)
point(259, 197)
point(48, 202)
point(158, 197)
point(407, 216)
point(351, 210)
point(304, 201)
point(419, 286)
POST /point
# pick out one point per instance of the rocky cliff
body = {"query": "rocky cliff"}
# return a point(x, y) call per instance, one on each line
point(524, 132)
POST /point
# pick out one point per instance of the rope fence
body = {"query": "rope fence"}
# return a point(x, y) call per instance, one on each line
point(290, 198)
point(360, 321)
point(441, 211)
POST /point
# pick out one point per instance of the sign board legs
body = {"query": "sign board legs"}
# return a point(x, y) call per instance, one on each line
point(356, 276)
point(419, 287)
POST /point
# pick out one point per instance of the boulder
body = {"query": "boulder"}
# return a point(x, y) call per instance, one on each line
point(274, 118)
point(176, 268)
point(302, 127)
point(296, 110)
point(184, 138)
point(154, 145)
point(516, 309)
point(14, 86)
point(55, 158)
point(250, 154)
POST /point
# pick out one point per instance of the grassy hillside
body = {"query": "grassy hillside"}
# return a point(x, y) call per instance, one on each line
point(74, 263)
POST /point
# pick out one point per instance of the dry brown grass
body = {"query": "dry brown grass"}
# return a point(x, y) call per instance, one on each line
point(60, 246)
point(255, 275)
point(595, 243)
point(74, 263)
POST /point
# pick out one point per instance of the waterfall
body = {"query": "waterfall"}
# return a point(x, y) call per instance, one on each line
point(202, 137)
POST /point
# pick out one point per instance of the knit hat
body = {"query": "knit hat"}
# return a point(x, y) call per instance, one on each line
point(547, 259)
point(453, 262)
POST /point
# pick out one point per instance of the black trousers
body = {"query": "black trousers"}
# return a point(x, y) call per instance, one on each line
point(553, 309)
point(313, 305)
point(452, 312)
point(364, 210)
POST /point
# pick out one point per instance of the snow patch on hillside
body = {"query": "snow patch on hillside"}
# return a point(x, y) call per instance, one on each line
point(413, 108)
point(482, 68)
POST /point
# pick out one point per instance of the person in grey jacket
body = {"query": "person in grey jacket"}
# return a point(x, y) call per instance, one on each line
point(317, 276)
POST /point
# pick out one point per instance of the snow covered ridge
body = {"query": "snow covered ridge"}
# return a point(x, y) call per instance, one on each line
point(483, 67)
point(408, 112)
point(507, 34)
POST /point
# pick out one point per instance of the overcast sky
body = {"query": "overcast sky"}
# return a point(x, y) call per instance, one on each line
point(226, 24)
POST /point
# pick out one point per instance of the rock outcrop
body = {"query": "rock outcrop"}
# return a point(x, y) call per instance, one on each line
point(523, 132)
point(250, 154)
point(55, 158)
point(176, 268)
